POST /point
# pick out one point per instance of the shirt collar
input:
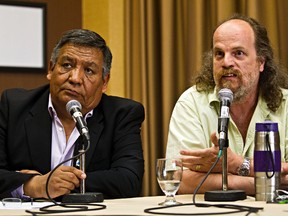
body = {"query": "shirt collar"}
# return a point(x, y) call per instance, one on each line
point(261, 104)
point(213, 98)
point(53, 112)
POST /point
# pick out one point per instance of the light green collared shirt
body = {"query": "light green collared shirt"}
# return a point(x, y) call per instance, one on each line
point(195, 117)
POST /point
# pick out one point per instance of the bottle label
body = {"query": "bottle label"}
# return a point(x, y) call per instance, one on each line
point(267, 161)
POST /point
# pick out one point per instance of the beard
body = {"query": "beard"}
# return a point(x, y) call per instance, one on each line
point(239, 93)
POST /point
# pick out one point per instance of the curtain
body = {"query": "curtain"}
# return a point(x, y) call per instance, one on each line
point(164, 43)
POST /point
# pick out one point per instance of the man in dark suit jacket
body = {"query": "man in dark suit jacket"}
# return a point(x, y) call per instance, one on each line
point(34, 123)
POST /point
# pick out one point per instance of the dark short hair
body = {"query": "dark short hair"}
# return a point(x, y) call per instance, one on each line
point(86, 38)
point(271, 79)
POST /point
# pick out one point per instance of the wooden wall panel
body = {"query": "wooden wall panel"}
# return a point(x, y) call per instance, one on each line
point(61, 15)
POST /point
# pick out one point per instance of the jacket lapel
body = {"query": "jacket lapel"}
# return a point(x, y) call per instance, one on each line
point(38, 127)
point(39, 138)
point(95, 125)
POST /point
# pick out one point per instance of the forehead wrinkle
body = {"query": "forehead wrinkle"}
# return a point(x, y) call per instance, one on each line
point(85, 62)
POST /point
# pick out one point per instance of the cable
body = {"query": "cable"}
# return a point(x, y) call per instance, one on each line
point(206, 176)
point(50, 174)
point(271, 157)
point(46, 210)
point(79, 206)
point(235, 208)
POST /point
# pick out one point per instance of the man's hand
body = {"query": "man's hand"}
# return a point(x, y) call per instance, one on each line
point(202, 160)
point(234, 161)
point(63, 180)
point(284, 176)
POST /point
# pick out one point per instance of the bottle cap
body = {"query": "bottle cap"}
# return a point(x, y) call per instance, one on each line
point(267, 126)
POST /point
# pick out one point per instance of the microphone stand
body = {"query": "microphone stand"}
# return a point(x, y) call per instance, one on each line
point(82, 167)
point(224, 194)
point(224, 170)
point(83, 197)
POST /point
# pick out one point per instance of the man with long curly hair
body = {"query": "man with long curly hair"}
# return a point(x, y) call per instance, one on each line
point(241, 59)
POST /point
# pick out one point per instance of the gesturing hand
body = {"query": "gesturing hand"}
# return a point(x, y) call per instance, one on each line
point(201, 160)
point(63, 180)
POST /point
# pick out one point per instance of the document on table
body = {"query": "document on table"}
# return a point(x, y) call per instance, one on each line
point(24, 205)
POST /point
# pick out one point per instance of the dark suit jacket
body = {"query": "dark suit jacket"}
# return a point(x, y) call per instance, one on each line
point(114, 162)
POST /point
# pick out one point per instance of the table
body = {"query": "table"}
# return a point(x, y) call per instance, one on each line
point(136, 206)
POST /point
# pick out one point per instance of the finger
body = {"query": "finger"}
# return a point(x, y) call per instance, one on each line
point(26, 171)
point(70, 184)
point(198, 167)
point(214, 139)
point(77, 172)
point(61, 182)
point(195, 153)
point(64, 176)
point(196, 158)
point(207, 156)
point(190, 163)
point(71, 180)
point(204, 154)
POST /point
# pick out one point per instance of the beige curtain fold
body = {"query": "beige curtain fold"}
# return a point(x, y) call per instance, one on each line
point(164, 43)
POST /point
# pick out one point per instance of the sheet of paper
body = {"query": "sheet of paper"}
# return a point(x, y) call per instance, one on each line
point(24, 205)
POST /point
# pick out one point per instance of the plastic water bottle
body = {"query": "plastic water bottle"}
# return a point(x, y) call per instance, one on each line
point(267, 161)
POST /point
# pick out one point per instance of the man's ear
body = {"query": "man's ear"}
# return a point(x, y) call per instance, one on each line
point(262, 62)
point(50, 69)
point(105, 83)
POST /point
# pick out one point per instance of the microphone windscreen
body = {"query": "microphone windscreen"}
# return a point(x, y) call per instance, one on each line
point(73, 104)
point(225, 93)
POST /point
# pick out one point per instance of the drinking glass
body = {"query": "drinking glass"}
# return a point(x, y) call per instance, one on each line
point(169, 175)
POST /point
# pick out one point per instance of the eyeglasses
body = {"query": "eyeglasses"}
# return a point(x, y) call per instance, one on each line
point(14, 203)
point(11, 202)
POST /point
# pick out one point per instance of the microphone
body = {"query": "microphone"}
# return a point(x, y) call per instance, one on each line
point(74, 108)
point(226, 97)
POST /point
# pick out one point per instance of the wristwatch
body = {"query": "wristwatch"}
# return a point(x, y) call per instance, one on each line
point(244, 168)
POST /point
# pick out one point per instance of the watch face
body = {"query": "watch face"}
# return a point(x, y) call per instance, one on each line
point(244, 169)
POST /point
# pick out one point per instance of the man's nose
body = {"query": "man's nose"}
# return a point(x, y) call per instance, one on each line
point(76, 75)
point(228, 61)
